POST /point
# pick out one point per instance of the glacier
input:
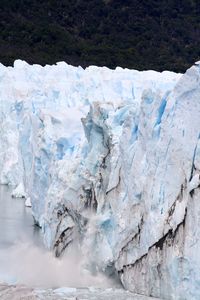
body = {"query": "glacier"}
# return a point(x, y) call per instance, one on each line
point(110, 161)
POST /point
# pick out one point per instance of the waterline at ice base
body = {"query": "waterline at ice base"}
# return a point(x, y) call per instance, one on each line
point(109, 160)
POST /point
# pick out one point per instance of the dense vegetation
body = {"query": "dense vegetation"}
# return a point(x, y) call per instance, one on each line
point(139, 34)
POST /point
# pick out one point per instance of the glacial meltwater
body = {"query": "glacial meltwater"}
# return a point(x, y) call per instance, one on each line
point(19, 238)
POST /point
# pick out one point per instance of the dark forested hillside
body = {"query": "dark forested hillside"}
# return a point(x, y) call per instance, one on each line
point(139, 34)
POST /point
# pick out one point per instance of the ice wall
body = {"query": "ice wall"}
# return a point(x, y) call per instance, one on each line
point(111, 161)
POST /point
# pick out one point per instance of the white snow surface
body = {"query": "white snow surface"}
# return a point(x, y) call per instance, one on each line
point(111, 161)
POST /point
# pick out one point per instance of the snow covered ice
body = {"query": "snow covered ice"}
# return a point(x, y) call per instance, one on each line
point(109, 161)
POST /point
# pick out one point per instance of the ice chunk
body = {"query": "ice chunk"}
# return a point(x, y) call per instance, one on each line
point(194, 183)
point(28, 202)
point(19, 191)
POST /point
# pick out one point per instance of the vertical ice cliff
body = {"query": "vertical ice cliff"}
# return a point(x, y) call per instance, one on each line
point(163, 253)
point(111, 161)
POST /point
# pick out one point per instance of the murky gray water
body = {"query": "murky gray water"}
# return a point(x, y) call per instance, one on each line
point(18, 238)
point(16, 221)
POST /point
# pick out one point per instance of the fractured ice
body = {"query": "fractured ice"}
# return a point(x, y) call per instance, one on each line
point(109, 159)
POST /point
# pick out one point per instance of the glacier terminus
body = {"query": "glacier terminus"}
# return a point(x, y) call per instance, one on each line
point(109, 160)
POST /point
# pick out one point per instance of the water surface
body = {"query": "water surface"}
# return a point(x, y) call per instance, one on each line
point(16, 221)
